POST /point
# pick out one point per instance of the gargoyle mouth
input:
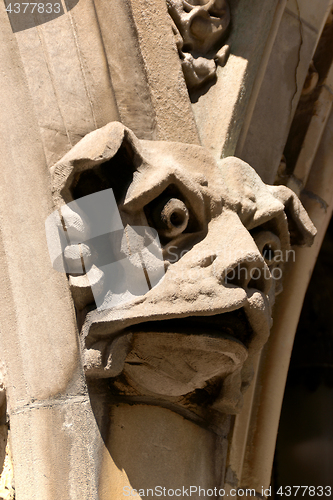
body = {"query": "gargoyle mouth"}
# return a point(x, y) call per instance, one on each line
point(249, 323)
point(172, 358)
point(232, 325)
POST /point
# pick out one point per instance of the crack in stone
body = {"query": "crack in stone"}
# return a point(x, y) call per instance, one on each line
point(299, 55)
point(315, 197)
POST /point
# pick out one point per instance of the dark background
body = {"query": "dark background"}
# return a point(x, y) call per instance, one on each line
point(304, 450)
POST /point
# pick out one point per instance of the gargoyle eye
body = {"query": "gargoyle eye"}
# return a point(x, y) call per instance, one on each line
point(170, 217)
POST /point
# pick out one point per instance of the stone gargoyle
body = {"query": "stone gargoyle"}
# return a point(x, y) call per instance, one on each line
point(223, 237)
point(199, 27)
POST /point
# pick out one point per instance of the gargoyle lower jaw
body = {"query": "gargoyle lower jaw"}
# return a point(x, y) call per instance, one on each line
point(246, 318)
point(232, 325)
point(172, 355)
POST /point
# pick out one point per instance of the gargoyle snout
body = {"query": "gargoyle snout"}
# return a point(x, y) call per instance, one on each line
point(229, 257)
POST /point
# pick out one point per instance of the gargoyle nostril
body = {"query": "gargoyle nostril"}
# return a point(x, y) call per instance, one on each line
point(268, 253)
point(269, 246)
point(257, 279)
point(207, 261)
point(248, 276)
point(237, 276)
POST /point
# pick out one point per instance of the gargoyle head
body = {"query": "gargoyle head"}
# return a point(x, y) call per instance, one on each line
point(199, 25)
point(211, 263)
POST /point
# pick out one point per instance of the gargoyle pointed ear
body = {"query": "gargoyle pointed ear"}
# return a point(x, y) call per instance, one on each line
point(301, 229)
point(113, 145)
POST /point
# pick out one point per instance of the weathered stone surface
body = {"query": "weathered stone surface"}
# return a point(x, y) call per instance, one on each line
point(164, 365)
point(220, 108)
point(149, 447)
point(198, 29)
point(260, 417)
point(281, 88)
point(39, 346)
point(66, 69)
point(198, 287)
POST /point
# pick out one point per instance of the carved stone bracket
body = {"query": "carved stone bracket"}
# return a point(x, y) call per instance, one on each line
point(199, 27)
point(224, 236)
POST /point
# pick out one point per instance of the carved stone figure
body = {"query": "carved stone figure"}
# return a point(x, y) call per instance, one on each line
point(224, 236)
point(199, 26)
point(173, 257)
